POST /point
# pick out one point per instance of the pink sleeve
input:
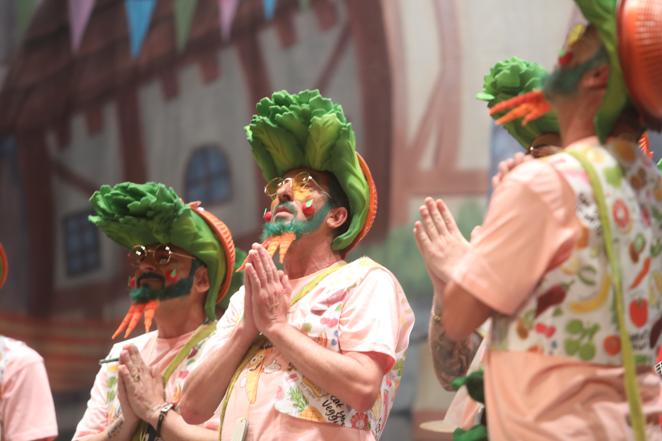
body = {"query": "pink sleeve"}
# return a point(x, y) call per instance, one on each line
point(28, 410)
point(95, 418)
point(529, 228)
point(371, 316)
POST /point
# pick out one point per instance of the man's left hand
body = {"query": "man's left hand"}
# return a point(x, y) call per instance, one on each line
point(270, 293)
point(144, 388)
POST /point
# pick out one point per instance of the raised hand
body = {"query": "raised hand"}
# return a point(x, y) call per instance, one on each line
point(507, 166)
point(270, 291)
point(439, 240)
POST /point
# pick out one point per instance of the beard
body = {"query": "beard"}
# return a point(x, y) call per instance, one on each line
point(298, 227)
point(144, 294)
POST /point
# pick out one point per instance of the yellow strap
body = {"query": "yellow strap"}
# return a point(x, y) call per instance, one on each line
point(261, 340)
point(631, 388)
point(204, 331)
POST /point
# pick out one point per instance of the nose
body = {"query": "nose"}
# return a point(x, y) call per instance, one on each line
point(147, 265)
point(284, 192)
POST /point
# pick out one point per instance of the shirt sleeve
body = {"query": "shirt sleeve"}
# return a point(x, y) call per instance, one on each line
point(530, 227)
point(29, 412)
point(226, 323)
point(372, 315)
point(95, 418)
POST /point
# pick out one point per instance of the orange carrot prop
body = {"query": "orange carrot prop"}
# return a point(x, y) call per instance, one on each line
point(274, 244)
point(130, 320)
point(644, 144)
point(529, 106)
point(150, 309)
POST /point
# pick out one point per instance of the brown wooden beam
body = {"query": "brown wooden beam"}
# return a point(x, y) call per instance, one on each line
point(372, 58)
point(132, 145)
point(36, 175)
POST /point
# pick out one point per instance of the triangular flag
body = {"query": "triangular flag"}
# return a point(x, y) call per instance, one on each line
point(184, 10)
point(269, 8)
point(227, 9)
point(79, 15)
point(304, 4)
point(139, 13)
point(25, 10)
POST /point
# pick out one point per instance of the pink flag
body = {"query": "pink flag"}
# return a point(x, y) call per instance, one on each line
point(227, 9)
point(79, 14)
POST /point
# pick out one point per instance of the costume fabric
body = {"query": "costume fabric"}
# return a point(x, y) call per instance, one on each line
point(26, 404)
point(361, 308)
point(554, 370)
point(103, 407)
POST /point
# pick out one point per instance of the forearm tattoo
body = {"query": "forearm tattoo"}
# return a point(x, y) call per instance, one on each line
point(450, 359)
point(115, 427)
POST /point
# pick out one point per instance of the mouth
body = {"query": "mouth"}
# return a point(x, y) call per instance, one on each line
point(151, 280)
point(283, 209)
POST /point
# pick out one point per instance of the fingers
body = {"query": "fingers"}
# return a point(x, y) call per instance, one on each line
point(446, 214)
point(422, 240)
point(285, 281)
point(254, 257)
point(474, 232)
point(427, 223)
point(268, 264)
point(437, 219)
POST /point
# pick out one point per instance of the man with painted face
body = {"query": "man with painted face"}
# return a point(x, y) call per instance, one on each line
point(183, 259)
point(27, 412)
point(315, 350)
point(575, 318)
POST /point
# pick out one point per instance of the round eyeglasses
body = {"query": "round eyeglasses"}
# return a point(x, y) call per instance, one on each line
point(162, 254)
point(300, 181)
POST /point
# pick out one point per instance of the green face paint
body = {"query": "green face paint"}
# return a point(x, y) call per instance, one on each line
point(564, 80)
point(182, 287)
point(295, 226)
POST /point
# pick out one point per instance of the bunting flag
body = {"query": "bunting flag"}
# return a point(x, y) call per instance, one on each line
point(25, 10)
point(184, 11)
point(227, 9)
point(79, 15)
point(304, 4)
point(269, 8)
point(139, 13)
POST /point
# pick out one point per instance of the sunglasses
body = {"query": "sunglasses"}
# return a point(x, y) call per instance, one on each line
point(300, 181)
point(162, 254)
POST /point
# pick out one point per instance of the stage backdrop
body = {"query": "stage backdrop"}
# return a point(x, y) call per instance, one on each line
point(102, 91)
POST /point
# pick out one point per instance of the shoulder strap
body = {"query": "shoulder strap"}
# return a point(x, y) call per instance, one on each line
point(631, 388)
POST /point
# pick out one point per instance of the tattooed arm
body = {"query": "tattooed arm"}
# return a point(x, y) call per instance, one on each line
point(450, 359)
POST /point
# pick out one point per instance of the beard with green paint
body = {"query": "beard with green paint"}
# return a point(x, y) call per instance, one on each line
point(280, 226)
point(146, 286)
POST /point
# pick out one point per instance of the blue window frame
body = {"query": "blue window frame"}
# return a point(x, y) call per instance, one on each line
point(208, 177)
point(81, 244)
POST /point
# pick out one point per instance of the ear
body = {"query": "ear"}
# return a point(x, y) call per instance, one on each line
point(596, 78)
point(201, 280)
point(336, 218)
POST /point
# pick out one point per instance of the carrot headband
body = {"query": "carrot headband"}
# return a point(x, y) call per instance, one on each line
point(152, 213)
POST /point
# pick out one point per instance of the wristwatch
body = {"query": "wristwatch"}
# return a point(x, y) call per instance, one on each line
point(162, 413)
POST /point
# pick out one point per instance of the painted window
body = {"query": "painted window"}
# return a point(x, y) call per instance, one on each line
point(208, 176)
point(81, 244)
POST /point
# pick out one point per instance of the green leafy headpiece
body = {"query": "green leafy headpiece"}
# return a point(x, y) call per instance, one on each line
point(308, 130)
point(602, 15)
point(510, 78)
point(152, 213)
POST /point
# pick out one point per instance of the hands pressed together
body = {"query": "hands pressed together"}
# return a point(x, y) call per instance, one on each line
point(439, 241)
point(267, 293)
point(140, 388)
